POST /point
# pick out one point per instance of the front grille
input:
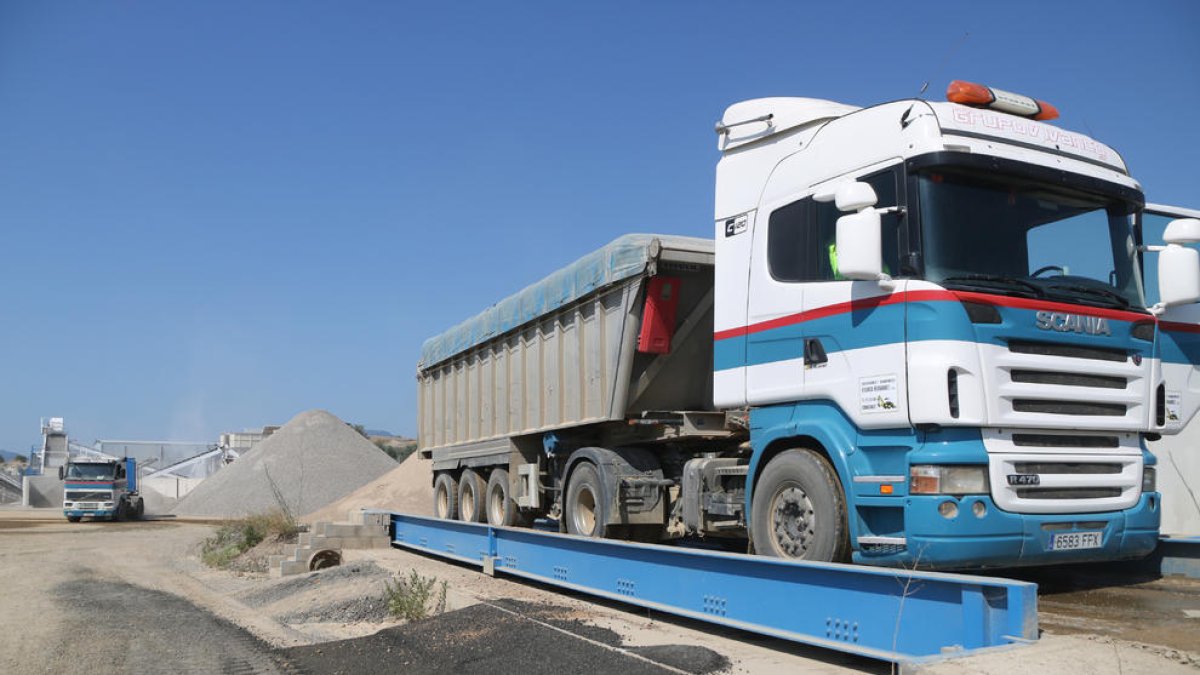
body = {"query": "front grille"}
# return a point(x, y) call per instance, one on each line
point(1067, 467)
point(1068, 379)
point(88, 496)
point(1068, 351)
point(1029, 405)
point(1069, 493)
point(1065, 441)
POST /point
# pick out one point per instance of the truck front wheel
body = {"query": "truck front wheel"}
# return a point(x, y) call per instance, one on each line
point(445, 497)
point(74, 519)
point(798, 509)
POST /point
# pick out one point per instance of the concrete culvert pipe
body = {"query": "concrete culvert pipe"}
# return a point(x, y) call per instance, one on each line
point(323, 558)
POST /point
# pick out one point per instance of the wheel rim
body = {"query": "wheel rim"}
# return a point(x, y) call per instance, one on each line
point(443, 501)
point(792, 522)
point(496, 506)
point(467, 507)
point(583, 512)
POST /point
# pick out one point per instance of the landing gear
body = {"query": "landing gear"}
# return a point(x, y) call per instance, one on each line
point(798, 509)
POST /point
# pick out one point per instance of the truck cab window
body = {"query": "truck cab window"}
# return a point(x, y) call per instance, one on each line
point(790, 242)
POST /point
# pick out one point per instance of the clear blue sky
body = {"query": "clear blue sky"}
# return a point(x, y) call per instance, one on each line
point(218, 214)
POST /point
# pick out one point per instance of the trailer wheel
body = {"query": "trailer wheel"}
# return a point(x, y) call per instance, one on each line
point(471, 488)
point(798, 509)
point(445, 497)
point(586, 509)
point(502, 510)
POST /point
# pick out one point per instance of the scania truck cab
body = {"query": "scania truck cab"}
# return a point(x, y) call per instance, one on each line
point(942, 303)
point(919, 337)
point(100, 488)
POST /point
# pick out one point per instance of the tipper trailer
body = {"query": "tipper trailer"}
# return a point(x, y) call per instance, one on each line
point(919, 337)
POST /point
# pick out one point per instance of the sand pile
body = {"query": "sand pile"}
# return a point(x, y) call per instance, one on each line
point(311, 461)
point(407, 488)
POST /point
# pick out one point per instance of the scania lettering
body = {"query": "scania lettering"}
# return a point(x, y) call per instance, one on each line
point(918, 337)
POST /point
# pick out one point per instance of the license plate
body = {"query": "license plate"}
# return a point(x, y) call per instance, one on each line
point(1074, 541)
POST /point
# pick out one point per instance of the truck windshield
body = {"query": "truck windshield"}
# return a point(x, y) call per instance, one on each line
point(1006, 235)
point(91, 471)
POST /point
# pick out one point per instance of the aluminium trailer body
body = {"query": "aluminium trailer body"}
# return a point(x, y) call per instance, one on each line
point(614, 350)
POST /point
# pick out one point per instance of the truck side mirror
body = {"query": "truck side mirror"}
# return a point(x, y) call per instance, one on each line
point(1178, 274)
point(62, 473)
point(860, 246)
point(859, 238)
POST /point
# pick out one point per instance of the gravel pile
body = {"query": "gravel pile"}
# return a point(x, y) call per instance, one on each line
point(300, 584)
point(311, 461)
point(407, 488)
point(367, 608)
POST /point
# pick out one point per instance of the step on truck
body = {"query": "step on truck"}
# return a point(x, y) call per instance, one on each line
point(919, 337)
point(100, 488)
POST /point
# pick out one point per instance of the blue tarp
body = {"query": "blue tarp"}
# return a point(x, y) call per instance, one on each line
point(625, 257)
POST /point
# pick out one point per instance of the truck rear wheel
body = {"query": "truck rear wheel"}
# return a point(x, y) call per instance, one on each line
point(470, 497)
point(586, 510)
point(445, 497)
point(798, 509)
point(502, 511)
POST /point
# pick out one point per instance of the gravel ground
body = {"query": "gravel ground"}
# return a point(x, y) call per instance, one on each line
point(482, 639)
point(370, 609)
point(312, 461)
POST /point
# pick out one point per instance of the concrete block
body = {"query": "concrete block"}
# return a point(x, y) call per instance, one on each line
point(290, 567)
point(305, 538)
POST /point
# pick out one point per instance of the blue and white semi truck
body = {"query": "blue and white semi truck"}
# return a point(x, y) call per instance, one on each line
point(100, 488)
point(919, 337)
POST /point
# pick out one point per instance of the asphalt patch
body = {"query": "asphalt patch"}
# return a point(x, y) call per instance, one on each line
point(487, 639)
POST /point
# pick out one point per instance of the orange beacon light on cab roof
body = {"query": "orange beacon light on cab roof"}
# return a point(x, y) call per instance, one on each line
point(978, 95)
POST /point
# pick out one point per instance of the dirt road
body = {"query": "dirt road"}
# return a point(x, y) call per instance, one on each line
point(132, 598)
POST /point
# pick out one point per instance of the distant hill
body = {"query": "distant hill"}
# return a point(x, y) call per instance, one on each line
point(380, 432)
point(8, 455)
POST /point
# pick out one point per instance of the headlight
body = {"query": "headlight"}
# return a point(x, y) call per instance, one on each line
point(931, 479)
point(1149, 480)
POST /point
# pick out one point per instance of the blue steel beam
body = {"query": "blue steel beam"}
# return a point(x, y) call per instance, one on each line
point(889, 614)
point(1178, 555)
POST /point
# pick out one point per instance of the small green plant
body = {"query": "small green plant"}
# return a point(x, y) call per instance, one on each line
point(415, 597)
point(238, 536)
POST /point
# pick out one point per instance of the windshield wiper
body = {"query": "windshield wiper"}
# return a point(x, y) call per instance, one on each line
point(1114, 298)
point(991, 282)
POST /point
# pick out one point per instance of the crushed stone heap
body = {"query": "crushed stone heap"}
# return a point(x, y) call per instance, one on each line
point(311, 461)
point(407, 488)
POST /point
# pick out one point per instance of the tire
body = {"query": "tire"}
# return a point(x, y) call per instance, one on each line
point(501, 508)
point(585, 508)
point(74, 519)
point(471, 488)
point(141, 508)
point(799, 510)
point(120, 512)
point(445, 497)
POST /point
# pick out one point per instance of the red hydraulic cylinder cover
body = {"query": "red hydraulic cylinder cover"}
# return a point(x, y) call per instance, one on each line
point(658, 317)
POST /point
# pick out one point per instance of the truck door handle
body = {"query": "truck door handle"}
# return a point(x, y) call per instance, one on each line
point(814, 352)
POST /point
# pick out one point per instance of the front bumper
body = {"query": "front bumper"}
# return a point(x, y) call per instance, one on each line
point(1003, 539)
point(98, 513)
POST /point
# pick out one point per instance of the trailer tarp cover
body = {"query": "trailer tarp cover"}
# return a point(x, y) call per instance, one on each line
point(623, 258)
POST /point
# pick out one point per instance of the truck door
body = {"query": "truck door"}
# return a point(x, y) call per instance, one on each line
point(857, 328)
point(780, 266)
point(1178, 347)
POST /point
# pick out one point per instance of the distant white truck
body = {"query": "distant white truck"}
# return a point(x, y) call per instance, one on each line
point(100, 488)
point(919, 337)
